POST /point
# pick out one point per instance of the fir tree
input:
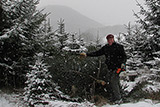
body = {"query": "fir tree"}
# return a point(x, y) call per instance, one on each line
point(39, 84)
point(61, 34)
point(45, 38)
point(147, 46)
point(151, 28)
point(40, 87)
point(20, 23)
point(133, 43)
point(74, 45)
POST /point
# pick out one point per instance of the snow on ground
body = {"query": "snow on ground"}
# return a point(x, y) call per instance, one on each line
point(145, 103)
point(5, 102)
point(8, 101)
point(69, 104)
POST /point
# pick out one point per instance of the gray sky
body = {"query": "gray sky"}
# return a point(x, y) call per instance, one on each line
point(107, 12)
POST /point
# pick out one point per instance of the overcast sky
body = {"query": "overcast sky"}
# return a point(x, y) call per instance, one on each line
point(107, 12)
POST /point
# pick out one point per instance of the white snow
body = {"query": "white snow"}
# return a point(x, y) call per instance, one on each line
point(5, 103)
point(4, 36)
point(130, 85)
point(12, 100)
point(69, 104)
point(7, 100)
point(142, 75)
point(145, 103)
point(151, 88)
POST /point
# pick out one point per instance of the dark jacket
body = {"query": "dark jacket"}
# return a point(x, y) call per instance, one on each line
point(115, 55)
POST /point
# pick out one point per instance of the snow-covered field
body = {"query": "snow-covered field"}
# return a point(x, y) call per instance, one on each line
point(13, 101)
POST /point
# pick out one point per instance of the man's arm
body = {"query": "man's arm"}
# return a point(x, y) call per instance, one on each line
point(96, 53)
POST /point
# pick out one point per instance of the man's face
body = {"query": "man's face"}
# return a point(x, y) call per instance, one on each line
point(110, 41)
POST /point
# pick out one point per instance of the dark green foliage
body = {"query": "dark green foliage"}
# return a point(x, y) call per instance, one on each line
point(137, 92)
point(134, 41)
point(69, 70)
point(40, 87)
point(150, 25)
point(154, 96)
point(20, 23)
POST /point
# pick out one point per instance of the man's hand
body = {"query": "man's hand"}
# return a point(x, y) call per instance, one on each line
point(82, 55)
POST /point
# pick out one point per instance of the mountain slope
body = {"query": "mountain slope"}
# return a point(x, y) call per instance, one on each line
point(74, 21)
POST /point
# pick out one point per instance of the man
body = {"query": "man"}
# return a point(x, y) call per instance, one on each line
point(115, 58)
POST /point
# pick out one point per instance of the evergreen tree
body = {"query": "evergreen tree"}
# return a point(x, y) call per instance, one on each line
point(74, 45)
point(45, 39)
point(147, 46)
point(40, 87)
point(20, 23)
point(133, 43)
point(1, 22)
point(39, 84)
point(151, 27)
point(61, 34)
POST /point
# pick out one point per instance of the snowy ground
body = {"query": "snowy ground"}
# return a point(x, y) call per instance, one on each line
point(145, 103)
point(5, 101)
point(13, 101)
